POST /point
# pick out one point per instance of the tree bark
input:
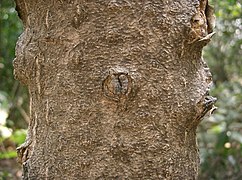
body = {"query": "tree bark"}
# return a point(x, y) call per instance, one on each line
point(117, 88)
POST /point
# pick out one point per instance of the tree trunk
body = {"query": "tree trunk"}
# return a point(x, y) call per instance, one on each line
point(117, 88)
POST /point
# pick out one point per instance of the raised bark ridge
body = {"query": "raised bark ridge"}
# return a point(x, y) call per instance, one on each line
point(117, 87)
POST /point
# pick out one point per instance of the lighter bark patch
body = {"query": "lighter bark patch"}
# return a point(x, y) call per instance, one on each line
point(79, 17)
point(47, 19)
point(38, 75)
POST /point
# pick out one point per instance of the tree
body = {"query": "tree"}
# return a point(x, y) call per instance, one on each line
point(117, 88)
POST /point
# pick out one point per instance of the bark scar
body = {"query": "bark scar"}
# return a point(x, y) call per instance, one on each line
point(117, 87)
point(22, 10)
point(202, 24)
point(23, 152)
point(209, 12)
point(205, 107)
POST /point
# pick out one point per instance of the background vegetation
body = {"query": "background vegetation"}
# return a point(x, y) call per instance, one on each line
point(219, 137)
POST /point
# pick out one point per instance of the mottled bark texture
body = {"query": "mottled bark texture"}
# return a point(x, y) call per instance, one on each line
point(117, 87)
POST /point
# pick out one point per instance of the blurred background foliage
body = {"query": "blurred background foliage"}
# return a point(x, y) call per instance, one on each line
point(219, 136)
point(13, 96)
